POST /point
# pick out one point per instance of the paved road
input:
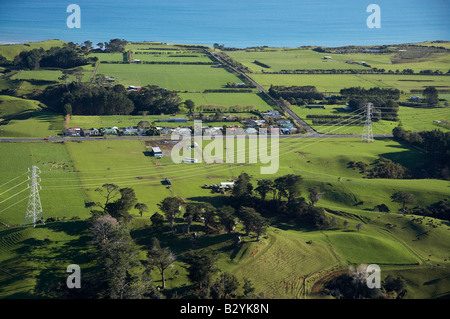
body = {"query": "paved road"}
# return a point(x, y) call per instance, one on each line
point(61, 139)
point(292, 114)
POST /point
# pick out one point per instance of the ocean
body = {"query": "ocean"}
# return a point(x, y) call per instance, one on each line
point(234, 23)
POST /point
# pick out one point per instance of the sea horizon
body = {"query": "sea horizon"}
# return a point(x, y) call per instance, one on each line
point(240, 24)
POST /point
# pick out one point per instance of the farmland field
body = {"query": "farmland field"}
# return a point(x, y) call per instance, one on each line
point(292, 256)
point(76, 169)
point(173, 77)
point(307, 59)
point(333, 83)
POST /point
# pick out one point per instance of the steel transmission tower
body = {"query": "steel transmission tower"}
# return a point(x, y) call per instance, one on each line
point(367, 135)
point(34, 209)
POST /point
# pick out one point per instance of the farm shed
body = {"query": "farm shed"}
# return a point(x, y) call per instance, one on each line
point(156, 151)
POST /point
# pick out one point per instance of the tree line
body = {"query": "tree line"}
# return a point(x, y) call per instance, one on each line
point(67, 56)
point(435, 143)
point(86, 99)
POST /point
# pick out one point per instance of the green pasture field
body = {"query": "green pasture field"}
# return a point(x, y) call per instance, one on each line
point(229, 99)
point(277, 263)
point(306, 59)
point(415, 119)
point(36, 124)
point(46, 75)
point(173, 77)
point(333, 83)
point(10, 51)
point(11, 106)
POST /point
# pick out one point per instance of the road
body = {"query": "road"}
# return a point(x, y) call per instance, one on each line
point(287, 110)
point(64, 139)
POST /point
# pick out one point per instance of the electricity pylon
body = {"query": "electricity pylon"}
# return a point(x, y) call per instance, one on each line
point(367, 135)
point(34, 209)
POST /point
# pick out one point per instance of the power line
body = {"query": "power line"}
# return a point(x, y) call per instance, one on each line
point(13, 187)
point(12, 180)
point(13, 195)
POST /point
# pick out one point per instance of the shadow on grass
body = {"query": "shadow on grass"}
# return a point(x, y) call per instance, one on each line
point(41, 263)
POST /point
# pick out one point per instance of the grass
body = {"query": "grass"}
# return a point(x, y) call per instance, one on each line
point(306, 59)
point(228, 99)
point(10, 51)
point(416, 119)
point(173, 77)
point(15, 107)
point(38, 124)
point(278, 263)
point(333, 83)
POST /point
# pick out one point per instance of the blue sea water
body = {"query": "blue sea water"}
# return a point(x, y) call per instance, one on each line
point(238, 23)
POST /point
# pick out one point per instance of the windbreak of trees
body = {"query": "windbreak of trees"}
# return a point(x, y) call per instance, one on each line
point(384, 101)
point(436, 143)
point(86, 99)
point(67, 56)
point(304, 92)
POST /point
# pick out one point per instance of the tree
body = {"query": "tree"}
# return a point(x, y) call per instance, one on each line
point(314, 195)
point(431, 96)
point(208, 212)
point(103, 228)
point(120, 208)
point(288, 186)
point(143, 125)
point(403, 198)
point(225, 286)
point(243, 187)
point(157, 220)
point(264, 186)
point(67, 109)
point(108, 192)
point(248, 287)
point(190, 105)
point(170, 206)
point(227, 218)
point(161, 258)
point(141, 207)
point(122, 272)
point(359, 226)
point(201, 268)
point(253, 222)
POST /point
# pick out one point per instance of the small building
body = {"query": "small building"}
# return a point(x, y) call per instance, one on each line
point(73, 131)
point(271, 114)
point(174, 119)
point(131, 130)
point(284, 122)
point(226, 184)
point(156, 151)
point(165, 130)
point(91, 132)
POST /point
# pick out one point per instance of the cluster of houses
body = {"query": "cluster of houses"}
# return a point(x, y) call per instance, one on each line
point(251, 126)
point(81, 132)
